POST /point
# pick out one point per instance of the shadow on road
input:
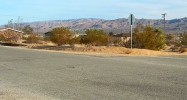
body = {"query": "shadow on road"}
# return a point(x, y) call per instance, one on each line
point(11, 44)
point(46, 47)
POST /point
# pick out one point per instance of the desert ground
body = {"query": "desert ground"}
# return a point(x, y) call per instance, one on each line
point(112, 50)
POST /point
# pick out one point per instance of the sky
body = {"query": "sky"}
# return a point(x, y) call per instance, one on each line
point(45, 10)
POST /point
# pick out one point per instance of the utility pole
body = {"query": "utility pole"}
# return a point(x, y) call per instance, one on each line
point(131, 20)
point(164, 16)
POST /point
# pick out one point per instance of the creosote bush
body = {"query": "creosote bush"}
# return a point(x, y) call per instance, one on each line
point(60, 36)
point(33, 38)
point(75, 40)
point(148, 38)
point(95, 37)
point(10, 36)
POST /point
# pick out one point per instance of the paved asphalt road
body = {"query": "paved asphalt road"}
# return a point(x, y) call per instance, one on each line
point(87, 77)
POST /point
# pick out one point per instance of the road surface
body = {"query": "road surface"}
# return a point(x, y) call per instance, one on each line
point(36, 74)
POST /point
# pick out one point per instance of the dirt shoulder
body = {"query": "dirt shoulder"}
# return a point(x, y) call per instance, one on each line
point(112, 50)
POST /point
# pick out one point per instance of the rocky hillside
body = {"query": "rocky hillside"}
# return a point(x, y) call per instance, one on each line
point(117, 25)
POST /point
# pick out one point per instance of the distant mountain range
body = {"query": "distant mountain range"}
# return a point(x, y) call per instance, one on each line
point(117, 25)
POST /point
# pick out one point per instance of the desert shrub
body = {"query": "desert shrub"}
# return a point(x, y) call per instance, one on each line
point(33, 38)
point(170, 43)
point(75, 40)
point(10, 36)
point(184, 39)
point(148, 38)
point(175, 48)
point(177, 44)
point(27, 29)
point(116, 41)
point(95, 37)
point(60, 35)
point(170, 37)
point(47, 39)
point(1, 37)
point(24, 38)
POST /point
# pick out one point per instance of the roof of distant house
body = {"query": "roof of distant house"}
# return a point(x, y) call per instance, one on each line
point(122, 35)
point(11, 30)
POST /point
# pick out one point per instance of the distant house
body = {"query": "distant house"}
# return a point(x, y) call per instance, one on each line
point(78, 35)
point(11, 35)
point(48, 34)
point(124, 37)
point(26, 35)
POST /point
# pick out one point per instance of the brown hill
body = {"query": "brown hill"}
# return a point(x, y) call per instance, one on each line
point(117, 25)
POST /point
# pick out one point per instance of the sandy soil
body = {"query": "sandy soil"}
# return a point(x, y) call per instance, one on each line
point(82, 49)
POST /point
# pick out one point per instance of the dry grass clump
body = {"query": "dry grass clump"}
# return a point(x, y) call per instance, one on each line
point(34, 38)
point(128, 51)
point(103, 49)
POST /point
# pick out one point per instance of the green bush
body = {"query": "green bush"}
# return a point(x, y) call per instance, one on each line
point(95, 37)
point(60, 35)
point(148, 38)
